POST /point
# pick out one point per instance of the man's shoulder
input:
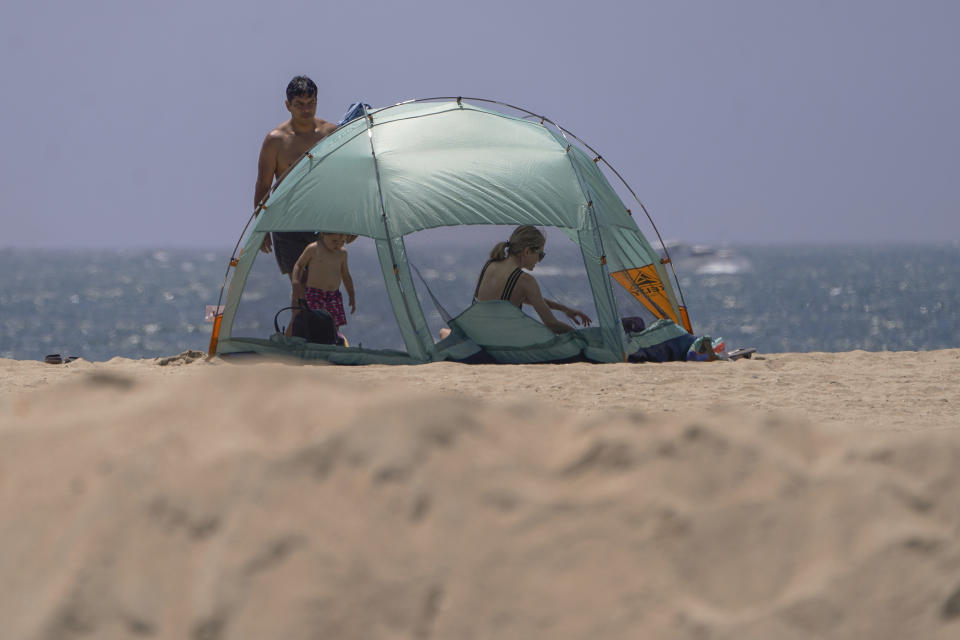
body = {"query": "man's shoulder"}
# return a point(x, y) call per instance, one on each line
point(280, 132)
point(324, 127)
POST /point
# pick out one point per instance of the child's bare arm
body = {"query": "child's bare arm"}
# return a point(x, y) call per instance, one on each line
point(296, 276)
point(348, 283)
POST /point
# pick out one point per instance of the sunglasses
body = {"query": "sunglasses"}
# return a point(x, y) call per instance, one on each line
point(540, 254)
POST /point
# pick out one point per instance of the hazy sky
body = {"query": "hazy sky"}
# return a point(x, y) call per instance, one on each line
point(132, 123)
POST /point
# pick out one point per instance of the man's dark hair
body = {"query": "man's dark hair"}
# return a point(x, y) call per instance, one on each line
point(301, 86)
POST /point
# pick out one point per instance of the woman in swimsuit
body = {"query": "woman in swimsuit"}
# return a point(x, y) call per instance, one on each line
point(503, 278)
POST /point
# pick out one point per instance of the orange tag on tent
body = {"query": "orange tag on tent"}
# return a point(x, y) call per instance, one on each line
point(644, 284)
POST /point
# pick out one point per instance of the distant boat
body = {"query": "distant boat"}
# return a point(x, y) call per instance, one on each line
point(704, 259)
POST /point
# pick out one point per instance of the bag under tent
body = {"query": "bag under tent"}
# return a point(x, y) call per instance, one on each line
point(448, 163)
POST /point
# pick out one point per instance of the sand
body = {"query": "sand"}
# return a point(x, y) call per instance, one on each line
point(788, 496)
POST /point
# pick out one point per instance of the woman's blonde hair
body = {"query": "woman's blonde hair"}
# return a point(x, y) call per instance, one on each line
point(523, 237)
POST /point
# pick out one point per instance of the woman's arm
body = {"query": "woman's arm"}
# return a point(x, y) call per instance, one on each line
point(533, 297)
point(574, 314)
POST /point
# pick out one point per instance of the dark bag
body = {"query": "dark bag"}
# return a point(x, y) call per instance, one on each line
point(311, 325)
point(633, 324)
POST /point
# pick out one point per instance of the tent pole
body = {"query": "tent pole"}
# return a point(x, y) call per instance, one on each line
point(386, 230)
point(598, 240)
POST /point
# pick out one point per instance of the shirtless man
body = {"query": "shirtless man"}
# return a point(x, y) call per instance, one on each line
point(283, 147)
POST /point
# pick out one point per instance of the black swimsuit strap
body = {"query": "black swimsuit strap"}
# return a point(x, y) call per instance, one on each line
point(507, 288)
point(511, 283)
point(476, 291)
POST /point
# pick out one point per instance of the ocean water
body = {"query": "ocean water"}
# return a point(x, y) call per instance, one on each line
point(147, 303)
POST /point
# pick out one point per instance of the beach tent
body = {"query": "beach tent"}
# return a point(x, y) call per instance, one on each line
point(448, 162)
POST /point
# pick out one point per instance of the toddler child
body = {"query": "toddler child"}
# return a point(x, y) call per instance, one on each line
point(325, 264)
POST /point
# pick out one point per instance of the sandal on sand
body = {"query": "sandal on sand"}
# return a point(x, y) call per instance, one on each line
point(53, 358)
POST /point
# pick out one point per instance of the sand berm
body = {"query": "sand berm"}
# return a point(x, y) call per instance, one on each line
point(791, 496)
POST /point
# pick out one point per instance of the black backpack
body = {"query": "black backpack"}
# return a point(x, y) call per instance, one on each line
point(313, 325)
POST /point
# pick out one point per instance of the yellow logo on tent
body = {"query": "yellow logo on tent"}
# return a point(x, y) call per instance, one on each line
point(645, 285)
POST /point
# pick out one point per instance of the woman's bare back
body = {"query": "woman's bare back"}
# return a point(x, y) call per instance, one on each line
point(494, 281)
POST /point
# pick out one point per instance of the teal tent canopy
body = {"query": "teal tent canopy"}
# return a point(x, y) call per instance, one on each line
point(427, 164)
